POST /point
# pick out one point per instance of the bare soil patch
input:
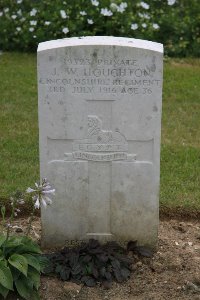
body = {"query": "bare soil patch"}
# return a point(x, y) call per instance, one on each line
point(172, 273)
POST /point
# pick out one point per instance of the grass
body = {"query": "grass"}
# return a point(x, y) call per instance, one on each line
point(180, 153)
point(18, 122)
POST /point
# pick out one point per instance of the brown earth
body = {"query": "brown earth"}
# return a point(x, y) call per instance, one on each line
point(173, 272)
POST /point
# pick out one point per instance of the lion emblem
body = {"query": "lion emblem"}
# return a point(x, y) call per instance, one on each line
point(97, 135)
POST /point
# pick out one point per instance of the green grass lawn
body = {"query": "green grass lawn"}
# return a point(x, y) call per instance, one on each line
point(180, 155)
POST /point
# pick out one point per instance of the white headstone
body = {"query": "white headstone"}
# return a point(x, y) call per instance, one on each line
point(100, 122)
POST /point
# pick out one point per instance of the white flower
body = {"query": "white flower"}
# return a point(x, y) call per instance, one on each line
point(46, 201)
point(22, 19)
point(31, 29)
point(171, 2)
point(37, 203)
point(95, 2)
point(134, 26)
point(1, 13)
point(106, 12)
point(19, 12)
point(143, 15)
point(40, 194)
point(33, 12)
point(13, 17)
point(65, 30)
point(63, 14)
point(6, 9)
point(47, 23)
point(19, 1)
point(124, 5)
point(121, 8)
point(30, 190)
point(144, 5)
point(90, 21)
point(155, 26)
point(33, 23)
point(114, 6)
point(34, 36)
point(146, 16)
point(144, 25)
point(83, 13)
point(48, 192)
point(47, 186)
point(18, 28)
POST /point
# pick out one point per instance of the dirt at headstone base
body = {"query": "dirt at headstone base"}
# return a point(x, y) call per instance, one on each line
point(172, 273)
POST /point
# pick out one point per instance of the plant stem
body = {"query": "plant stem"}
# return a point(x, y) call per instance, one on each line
point(8, 232)
point(30, 221)
point(3, 212)
point(11, 219)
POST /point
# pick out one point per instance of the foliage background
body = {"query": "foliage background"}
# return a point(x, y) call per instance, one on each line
point(175, 23)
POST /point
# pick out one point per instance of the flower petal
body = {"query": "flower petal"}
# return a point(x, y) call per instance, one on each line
point(47, 187)
point(44, 202)
point(48, 200)
point(30, 190)
point(49, 192)
point(37, 203)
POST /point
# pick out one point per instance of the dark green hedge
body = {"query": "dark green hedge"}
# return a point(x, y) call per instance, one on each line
point(175, 23)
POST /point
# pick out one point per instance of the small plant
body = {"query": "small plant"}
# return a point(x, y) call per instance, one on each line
point(90, 263)
point(21, 262)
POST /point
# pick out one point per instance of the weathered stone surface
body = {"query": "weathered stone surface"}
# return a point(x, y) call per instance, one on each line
point(99, 119)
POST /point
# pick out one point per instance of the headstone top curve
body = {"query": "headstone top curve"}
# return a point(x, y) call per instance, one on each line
point(101, 41)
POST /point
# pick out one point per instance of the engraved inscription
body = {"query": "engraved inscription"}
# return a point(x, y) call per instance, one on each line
point(100, 147)
point(100, 61)
point(100, 157)
point(98, 140)
point(98, 75)
point(101, 140)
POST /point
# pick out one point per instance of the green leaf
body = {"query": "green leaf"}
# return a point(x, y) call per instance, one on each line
point(19, 262)
point(28, 246)
point(34, 275)
point(44, 262)
point(32, 261)
point(11, 243)
point(15, 273)
point(14, 241)
point(24, 288)
point(2, 239)
point(1, 255)
point(4, 291)
point(4, 261)
point(5, 276)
